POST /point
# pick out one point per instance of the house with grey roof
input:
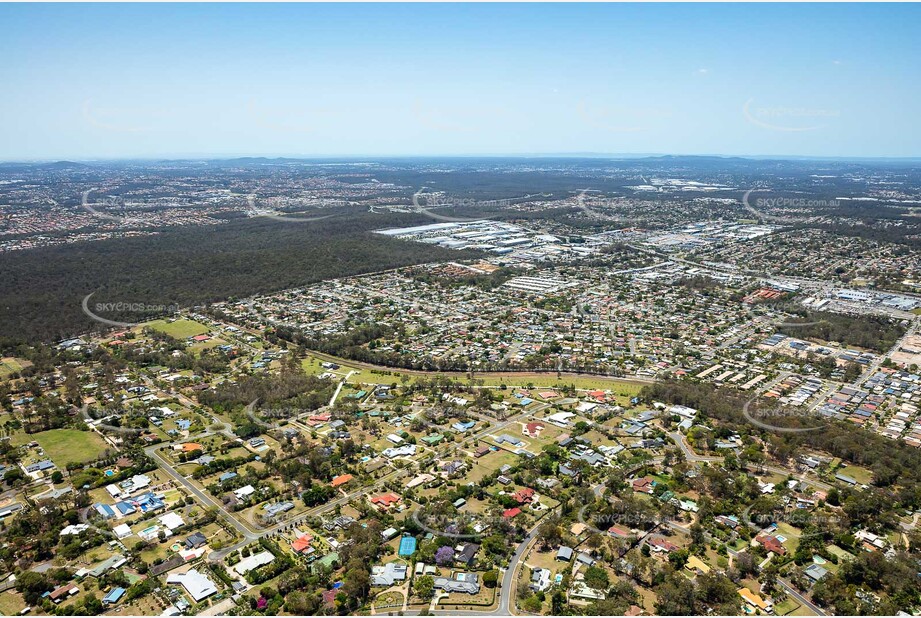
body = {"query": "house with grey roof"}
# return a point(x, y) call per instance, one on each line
point(815, 572)
point(388, 574)
point(460, 582)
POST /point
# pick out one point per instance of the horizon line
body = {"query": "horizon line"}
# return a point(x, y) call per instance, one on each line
point(585, 155)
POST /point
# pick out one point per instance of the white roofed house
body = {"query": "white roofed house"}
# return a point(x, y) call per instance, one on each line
point(253, 562)
point(196, 584)
point(561, 419)
point(243, 492)
point(171, 520)
point(388, 574)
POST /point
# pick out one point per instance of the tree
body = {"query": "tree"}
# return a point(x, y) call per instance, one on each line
point(317, 494)
point(550, 533)
point(596, 578)
point(32, 585)
point(444, 555)
point(746, 564)
point(300, 603)
point(697, 534)
point(532, 604)
point(675, 597)
point(491, 578)
point(424, 587)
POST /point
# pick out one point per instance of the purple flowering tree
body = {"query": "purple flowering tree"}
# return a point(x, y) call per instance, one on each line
point(444, 555)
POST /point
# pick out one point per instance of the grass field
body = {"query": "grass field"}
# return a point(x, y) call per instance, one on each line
point(180, 329)
point(861, 475)
point(488, 464)
point(10, 365)
point(621, 388)
point(786, 608)
point(64, 446)
point(11, 602)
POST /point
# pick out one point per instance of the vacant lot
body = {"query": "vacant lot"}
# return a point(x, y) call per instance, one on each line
point(861, 475)
point(180, 329)
point(11, 602)
point(10, 365)
point(488, 464)
point(64, 446)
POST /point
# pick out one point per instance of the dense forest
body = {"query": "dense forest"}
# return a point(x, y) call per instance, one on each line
point(872, 332)
point(43, 288)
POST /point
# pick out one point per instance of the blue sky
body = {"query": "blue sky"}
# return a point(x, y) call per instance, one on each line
point(111, 81)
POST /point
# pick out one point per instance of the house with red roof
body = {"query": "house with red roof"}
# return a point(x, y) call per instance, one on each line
point(598, 396)
point(301, 544)
point(771, 543)
point(384, 501)
point(341, 480)
point(318, 419)
point(188, 447)
point(644, 485)
point(510, 513)
point(662, 545)
point(524, 496)
point(65, 591)
point(532, 430)
point(329, 597)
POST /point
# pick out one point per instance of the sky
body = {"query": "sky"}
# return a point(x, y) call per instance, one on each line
point(106, 81)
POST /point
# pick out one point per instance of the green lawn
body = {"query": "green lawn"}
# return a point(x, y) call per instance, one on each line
point(791, 534)
point(11, 602)
point(64, 446)
point(842, 554)
point(861, 475)
point(786, 608)
point(10, 365)
point(180, 329)
point(622, 388)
